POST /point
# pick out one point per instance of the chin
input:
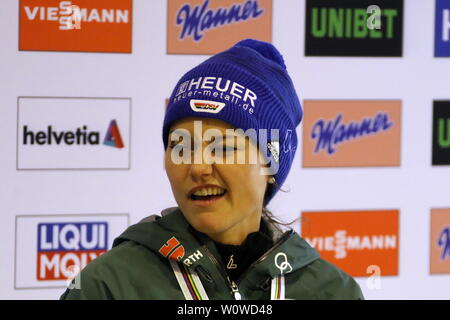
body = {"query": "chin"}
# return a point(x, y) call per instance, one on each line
point(208, 223)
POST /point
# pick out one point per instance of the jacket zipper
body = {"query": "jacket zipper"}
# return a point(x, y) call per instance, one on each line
point(231, 284)
point(283, 238)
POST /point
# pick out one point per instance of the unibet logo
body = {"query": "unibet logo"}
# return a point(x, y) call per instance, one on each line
point(81, 136)
point(354, 28)
point(349, 23)
point(443, 139)
point(441, 133)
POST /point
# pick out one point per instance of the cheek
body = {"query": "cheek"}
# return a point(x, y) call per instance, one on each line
point(250, 183)
point(175, 174)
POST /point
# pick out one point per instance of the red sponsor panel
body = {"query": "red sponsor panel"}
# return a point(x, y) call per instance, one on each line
point(355, 241)
point(78, 25)
point(59, 265)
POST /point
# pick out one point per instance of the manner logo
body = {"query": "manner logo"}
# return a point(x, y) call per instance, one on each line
point(346, 133)
point(441, 132)
point(52, 249)
point(208, 27)
point(355, 240)
point(78, 25)
point(354, 28)
point(73, 133)
point(440, 241)
point(442, 29)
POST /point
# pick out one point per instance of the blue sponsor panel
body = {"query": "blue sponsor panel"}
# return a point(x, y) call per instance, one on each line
point(442, 32)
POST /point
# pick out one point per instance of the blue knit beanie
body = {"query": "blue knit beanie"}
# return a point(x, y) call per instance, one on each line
point(248, 87)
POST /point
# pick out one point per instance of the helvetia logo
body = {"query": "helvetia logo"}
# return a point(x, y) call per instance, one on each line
point(63, 247)
point(113, 137)
point(80, 136)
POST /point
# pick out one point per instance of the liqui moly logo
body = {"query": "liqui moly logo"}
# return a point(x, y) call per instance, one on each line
point(207, 27)
point(350, 133)
point(63, 247)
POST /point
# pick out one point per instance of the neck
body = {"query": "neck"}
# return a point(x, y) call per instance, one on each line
point(236, 234)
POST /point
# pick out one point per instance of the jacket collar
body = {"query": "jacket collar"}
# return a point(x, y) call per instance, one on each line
point(170, 235)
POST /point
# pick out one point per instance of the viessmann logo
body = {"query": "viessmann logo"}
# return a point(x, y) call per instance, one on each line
point(73, 133)
point(79, 25)
point(207, 27)
point(351, 133)
point(355, 240)
point(50, 249)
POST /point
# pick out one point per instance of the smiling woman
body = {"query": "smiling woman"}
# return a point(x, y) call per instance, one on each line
point(225, 163)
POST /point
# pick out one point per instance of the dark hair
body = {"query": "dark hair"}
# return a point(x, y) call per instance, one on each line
point(268, 215)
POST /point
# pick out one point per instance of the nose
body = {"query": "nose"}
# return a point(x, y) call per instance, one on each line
point(201, 168)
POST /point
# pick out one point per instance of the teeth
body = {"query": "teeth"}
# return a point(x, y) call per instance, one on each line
point(208, 191)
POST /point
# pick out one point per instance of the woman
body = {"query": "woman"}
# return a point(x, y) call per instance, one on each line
point(230, 138)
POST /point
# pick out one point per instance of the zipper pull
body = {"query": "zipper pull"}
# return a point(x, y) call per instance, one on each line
point(235, 291)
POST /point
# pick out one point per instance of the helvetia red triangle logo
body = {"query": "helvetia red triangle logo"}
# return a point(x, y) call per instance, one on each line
point(113, 137)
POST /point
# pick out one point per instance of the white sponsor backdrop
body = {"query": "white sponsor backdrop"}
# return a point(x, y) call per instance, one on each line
point(147, 77)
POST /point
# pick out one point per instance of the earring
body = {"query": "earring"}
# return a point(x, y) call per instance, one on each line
point(272, 180)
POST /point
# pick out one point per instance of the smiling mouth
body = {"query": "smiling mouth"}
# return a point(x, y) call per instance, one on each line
point(208, 197)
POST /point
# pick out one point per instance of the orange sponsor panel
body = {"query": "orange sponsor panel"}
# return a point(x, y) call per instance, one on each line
point(351, 133)
point(355, 241)
point(440, 241)
point(211, 26)
point(78, 25)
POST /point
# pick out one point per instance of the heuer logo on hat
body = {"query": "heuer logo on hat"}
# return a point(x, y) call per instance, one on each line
point(206, 106)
